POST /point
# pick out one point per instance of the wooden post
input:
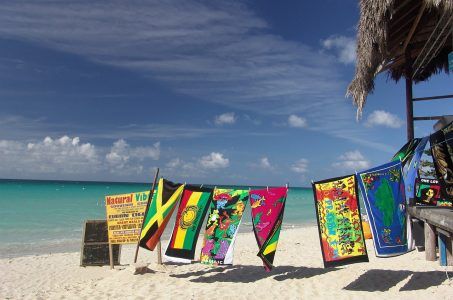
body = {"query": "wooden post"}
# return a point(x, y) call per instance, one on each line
point(159, 252)
point(409, 104)
point(430, 242)
point(111, 256)
point(150, 198)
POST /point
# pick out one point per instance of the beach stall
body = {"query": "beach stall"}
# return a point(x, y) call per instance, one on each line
point(410, 40)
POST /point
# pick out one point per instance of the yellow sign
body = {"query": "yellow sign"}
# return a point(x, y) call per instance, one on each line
point(125, 216)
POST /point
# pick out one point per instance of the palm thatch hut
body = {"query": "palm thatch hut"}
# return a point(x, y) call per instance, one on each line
point(406, 38)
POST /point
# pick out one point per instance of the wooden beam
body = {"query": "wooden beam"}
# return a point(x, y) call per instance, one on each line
point(427, 118)
point(414, 25)
point(433, 98)
point(397, 19)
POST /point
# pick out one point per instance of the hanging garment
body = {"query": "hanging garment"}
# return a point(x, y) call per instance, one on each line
point(189, 219)
point(268, 206)
point(159, 212)
point(406, 152)
point(339, 221)
point(385, 203)
point(443, 161)
point(225, 216)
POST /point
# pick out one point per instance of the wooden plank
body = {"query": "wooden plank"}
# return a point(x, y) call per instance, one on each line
point(441, 217)
point(430, 242)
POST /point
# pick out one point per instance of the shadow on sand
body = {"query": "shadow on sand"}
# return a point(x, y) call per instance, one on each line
point(383, 280)
point(247, 274)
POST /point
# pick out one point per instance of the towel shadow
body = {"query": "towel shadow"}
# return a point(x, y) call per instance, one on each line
point(383, 280)
point(424, 280)
point(377, 280)
point(202, 272)
point(247, 274)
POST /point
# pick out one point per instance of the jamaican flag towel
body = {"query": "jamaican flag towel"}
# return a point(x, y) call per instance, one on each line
point(223, 223)
point(385, 203)
point(189, 219)
point(159, 212)
point(267, 216)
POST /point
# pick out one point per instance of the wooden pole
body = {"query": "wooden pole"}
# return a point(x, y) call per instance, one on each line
point(111, 256)
point(159, 252)
point(409, 104)
point(430, 242)
point(150, 198)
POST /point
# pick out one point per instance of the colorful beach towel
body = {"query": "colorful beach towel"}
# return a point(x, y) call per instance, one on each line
point(406, 152)
point(189, 219)
point(410, 171)
point(160, 209)
point(385, 203)
point(427, 192)
point(442, 152)
point(268, 206)
point(339, 221)
point(225, 216)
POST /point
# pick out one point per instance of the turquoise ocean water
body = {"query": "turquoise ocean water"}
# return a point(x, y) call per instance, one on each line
point(39, 217)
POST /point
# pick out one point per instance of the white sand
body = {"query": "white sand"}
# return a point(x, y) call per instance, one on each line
point(299, 274)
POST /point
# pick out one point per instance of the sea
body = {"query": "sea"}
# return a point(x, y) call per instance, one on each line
point(41, 217)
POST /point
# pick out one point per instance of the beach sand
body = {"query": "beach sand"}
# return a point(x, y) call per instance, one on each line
point(299, 274)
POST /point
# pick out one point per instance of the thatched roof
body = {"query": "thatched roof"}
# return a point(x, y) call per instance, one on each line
point(391, 30)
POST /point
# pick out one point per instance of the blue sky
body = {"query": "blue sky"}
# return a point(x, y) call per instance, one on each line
point(221, 92)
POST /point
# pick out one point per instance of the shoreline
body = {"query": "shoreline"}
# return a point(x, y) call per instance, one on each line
point(61, 246)
point(298, 273)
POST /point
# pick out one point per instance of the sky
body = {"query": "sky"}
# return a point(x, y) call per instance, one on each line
point(215, 92)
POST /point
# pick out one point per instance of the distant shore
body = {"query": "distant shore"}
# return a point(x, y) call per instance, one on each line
point(299, 273)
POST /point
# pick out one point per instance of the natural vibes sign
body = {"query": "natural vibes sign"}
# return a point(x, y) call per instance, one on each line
point(125, 216)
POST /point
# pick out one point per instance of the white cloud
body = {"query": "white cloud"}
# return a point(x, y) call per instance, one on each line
point(345, 48)
point(174, 163)
point(63, 155)
point(297, 122)
point(226, 118)
point(122, 157)
point(383, 118)
point(214, 160)
point(66, 155)
point(352, 161)
point(265, 163)
point(300, 166)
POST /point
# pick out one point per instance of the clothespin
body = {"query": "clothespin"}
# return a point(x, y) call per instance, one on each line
point(267, 187)
point(201, 185)
point(312, 182)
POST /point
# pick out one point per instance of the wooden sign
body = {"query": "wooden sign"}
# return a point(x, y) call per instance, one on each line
point(95, 245)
